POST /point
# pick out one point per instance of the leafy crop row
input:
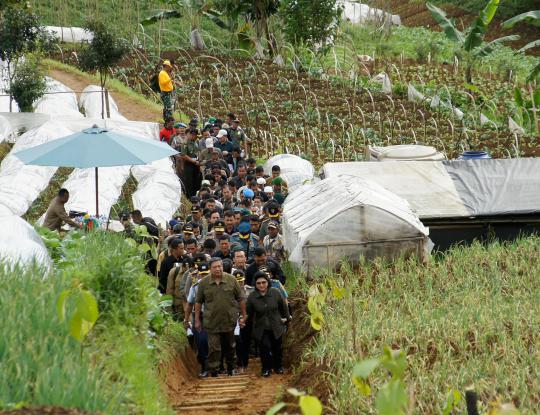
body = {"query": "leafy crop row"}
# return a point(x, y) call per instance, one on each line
point(114, 369)
point(463, 320)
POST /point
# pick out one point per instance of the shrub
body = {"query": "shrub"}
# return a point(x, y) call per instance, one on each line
point(28, 85)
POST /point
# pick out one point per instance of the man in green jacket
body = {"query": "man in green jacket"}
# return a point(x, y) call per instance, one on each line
point(222, 297)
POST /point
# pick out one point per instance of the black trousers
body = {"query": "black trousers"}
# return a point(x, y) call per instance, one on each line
point(221, 343)
point(271, 351)
point(191, 179)
point(243, 345)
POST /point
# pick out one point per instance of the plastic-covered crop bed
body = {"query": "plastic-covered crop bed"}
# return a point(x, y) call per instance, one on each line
point(21, 184)
point(90, 101)
point(159, 190)
point(20, 243)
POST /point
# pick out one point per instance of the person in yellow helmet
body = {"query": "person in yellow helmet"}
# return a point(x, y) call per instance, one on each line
point(166, 87)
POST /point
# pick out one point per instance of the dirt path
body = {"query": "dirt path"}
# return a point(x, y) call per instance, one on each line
point(127, 106)
point(242, 394)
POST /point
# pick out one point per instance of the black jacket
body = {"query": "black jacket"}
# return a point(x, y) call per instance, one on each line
point(253, 268)
point(269, 308)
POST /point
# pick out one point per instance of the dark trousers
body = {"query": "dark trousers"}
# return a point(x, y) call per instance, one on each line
point(242, 346)
point(201, 343)
point(191, 178)
point(219, 343)
point(270, 350)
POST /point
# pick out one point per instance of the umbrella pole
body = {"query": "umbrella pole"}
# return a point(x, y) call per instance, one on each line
point(97, 187)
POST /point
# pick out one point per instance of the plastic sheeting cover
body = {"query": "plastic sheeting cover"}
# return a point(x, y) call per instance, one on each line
point(497, 186)
point(20, 242)
point(59, 99)
point(21, 184)
point(295, 170)
point(427, 186)
point(70, 34)
point(360, 13)
point(404, 152)
point(12, 122)
point(159, 191)
point(316, 215)
point(90, 100)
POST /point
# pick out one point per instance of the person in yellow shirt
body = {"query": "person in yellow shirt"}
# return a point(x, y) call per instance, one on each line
point(166, 86)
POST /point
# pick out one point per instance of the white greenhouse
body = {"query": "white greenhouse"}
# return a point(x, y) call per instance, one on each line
point(348, 218)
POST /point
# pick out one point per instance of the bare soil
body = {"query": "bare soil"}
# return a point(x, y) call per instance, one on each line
point(244, 394)
point(129, 108)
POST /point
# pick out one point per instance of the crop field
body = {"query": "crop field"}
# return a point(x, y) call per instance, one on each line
point(329, 118)
point(463, 320)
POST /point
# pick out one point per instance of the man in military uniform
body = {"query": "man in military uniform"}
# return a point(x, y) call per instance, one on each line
point(273, 242)
point(237, 135)
point(272, 212)
point(201, 336)
point(173, 289)
point(222, 297)
point(245, 239)
point(192, 174)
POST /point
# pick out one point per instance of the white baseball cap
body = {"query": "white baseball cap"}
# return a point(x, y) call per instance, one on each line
point(221, 133)
point(261, 180)
point(209, 142)
point(268, 189)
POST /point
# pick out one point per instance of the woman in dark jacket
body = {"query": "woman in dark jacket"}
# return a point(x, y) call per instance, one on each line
point(268, 312)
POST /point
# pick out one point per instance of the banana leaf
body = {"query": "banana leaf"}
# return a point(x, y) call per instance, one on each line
point(161, 15)
point(480, 25)
point(488, 48)
point(534, 73)
point(445, 23)
point(528, 16)
point(530, 45)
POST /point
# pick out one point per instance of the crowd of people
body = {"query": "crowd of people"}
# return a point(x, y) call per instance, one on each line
point(222, 263)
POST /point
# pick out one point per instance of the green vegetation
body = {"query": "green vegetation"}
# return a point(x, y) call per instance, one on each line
point(453, 317)
point(508, 8)
point(41, 363)
point(114, 371)
point(28, 84)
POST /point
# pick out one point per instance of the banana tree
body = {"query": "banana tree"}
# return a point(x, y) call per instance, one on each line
point(471, 41)
point(194, 9)
point(523, 17)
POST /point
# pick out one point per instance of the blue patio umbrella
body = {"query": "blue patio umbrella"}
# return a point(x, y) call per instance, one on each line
point(96, 147)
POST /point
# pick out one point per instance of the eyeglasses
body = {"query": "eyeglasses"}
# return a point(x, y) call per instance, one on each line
point(261, 282)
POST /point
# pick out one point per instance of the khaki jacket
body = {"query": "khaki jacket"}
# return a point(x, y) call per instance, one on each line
point(56, 215)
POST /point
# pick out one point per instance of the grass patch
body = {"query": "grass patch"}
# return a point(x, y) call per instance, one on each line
point(40, 205)
point(463, 319)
